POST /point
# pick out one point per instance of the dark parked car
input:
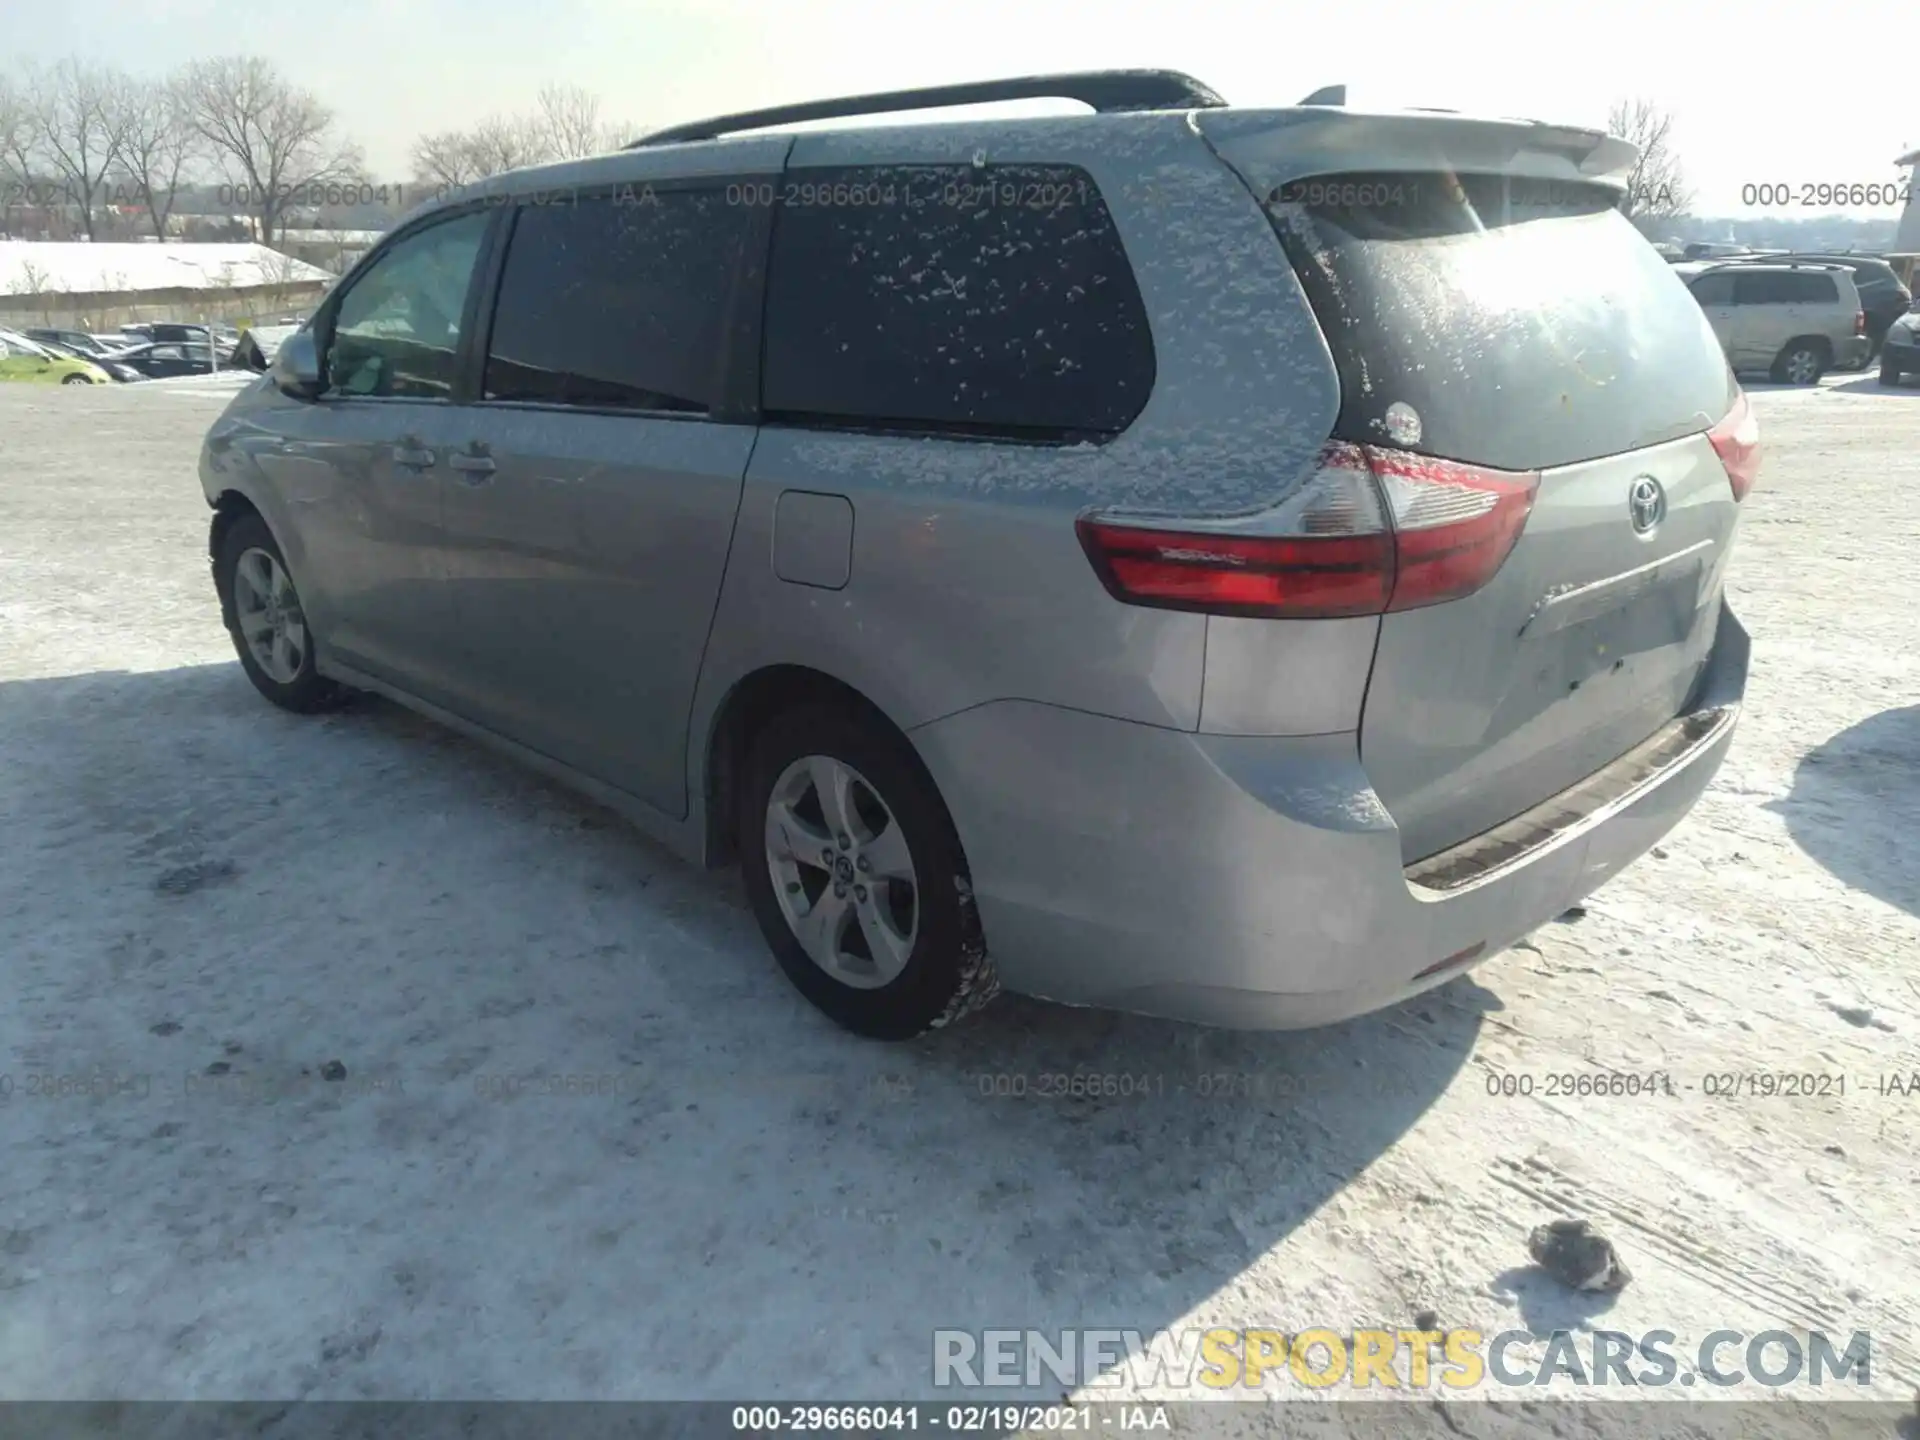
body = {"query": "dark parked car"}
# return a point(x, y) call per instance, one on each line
point(169, 358)
point(1882, 295)
point(77, 342)
point(167, 332)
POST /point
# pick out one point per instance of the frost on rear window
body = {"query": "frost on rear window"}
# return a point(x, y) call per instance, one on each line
point(953, 299)
point(1526, 322)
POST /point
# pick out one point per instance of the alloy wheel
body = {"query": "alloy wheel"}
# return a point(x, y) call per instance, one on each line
point(842, 872)
point(268, 614)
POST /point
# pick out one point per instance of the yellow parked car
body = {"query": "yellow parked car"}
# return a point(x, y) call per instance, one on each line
point(24, 359)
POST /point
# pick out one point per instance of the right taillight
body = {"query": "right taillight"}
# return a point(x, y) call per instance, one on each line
point(1736, 440)
point(1370, 530)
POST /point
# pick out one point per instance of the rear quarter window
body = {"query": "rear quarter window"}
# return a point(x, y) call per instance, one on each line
point(950, 299)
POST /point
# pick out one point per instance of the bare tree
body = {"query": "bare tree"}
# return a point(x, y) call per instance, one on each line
point(161, 146)
point(497, 144)
point(79, 129)
point(1656, 186)
point(16, 164)
point(503, 143)
point(16, 133)
point(272, 137)
point(570, 117)
point(445, 157)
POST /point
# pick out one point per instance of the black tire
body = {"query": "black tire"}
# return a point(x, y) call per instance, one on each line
point(1796, 349)
point(308, 691)
point(1889, 372)
point(948, 974)
point(76, 380)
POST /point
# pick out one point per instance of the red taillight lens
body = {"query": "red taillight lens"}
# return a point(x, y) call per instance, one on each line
point(1453, 524)
point(1859, 322)
point(1736, 440)
point(1371, 530)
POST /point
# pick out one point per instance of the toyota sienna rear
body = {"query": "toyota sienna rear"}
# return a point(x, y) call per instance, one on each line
point(1245, 566)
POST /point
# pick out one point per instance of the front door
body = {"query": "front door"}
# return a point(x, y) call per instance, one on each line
point(364, 476)
point(591, 489)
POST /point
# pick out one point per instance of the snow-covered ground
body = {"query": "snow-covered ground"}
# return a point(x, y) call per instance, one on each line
point(203, 902)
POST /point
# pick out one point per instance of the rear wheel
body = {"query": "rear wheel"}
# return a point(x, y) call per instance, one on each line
point(1803, 362)
point(263, 614)
point(856, 876)
point(76, 380)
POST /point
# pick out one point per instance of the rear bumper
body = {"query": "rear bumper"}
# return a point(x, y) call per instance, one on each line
point(1257, 882)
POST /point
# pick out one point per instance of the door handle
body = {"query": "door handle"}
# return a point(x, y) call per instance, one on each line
point(411, 456)
point(474, 469)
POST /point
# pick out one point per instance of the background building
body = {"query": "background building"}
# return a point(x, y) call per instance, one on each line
point(103, 286)
point(1906, 239)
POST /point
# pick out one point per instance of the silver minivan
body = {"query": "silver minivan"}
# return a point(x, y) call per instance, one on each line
point(1194, 560)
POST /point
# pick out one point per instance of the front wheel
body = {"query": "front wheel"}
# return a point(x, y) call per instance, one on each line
point(76, 380)
point(263, 615)
point(856, 875)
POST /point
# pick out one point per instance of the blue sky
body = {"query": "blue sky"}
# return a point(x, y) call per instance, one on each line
point(1752, 102)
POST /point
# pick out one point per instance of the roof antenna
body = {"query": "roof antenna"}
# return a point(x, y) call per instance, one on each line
point(1327, 95)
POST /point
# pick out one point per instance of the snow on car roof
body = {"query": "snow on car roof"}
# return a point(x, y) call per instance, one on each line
point(41, 267)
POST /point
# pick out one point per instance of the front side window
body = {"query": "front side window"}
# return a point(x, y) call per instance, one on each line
point(396, 333)
point(617, 302)
point(954, 300)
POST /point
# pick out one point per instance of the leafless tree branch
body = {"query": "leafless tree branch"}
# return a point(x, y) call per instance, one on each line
point(272, 137)
point(79, 129)
point(1656, 186)
point(161, 146)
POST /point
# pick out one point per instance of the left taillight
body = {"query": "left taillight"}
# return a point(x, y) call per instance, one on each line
point(1370, 530)
point(1736, 440)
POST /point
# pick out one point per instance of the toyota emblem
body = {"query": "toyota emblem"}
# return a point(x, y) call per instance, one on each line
point(1646, 504)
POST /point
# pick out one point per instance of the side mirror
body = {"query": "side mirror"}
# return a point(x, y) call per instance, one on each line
point(296, 366)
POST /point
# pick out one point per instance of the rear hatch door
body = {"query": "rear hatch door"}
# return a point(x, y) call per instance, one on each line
point(1486, 302)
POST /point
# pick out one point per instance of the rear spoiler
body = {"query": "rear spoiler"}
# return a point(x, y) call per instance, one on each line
point(1271, 147)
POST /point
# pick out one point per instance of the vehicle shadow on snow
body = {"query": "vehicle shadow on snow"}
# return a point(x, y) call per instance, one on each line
point(365, 887)
point(1868, 383)
point(1873, 768)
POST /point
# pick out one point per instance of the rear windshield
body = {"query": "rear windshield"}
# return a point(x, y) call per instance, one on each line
point(1507, 322)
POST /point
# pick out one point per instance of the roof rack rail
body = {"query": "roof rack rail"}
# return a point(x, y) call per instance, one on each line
point(1107, 91)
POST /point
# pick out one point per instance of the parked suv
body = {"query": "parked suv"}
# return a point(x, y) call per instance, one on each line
point(1791, 322)
point(1131, 558)
point(1883, 296)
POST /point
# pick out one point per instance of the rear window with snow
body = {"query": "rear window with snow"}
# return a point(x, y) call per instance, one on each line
point(1497, 320)
point(953, 299)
